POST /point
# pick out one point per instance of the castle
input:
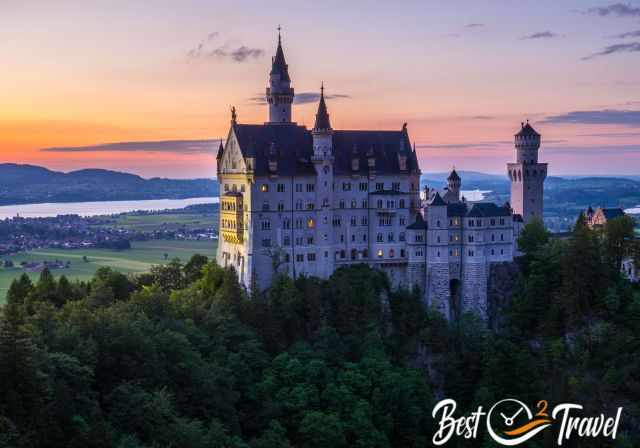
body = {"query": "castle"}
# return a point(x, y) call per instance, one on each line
point(306, 202)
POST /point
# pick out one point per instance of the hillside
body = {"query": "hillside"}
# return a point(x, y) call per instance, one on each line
point(23, 184)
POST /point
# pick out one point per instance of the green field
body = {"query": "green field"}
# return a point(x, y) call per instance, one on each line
point(141, 256)
point(166, 221)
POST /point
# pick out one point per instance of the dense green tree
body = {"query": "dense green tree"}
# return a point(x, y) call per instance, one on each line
point(619, 235)
point(193, 268)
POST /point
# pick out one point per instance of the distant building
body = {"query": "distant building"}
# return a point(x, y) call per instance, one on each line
point(598, 218)
point(305, 202)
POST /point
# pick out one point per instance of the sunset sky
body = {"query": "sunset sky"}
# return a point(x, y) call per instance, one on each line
point(146, 86)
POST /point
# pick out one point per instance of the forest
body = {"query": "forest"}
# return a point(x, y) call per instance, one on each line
point(183, 357)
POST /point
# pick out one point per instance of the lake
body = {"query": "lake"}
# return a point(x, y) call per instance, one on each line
point(47, 210)
point(633, 211)
point(474, 195)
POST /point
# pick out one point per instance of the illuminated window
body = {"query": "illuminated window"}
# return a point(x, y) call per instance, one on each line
point(311, 223)
point(264, 188)
point(379, 253)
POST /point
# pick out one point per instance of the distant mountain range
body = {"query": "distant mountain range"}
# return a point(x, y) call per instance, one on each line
point(23, 184)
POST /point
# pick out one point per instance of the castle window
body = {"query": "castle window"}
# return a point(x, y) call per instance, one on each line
point(418, 237)
point(364, 221)
point(298, 205)
point(342, 253)
point(299, 258)
point(287, 258)
point(286, 241)
point(298, 188)
point(493, 252)
point(353, 237)
point(264, 188)
point(363, 186)
point(354, 204)
point(379, 238)
point(501, 221)
point(479, 222)
point(280, 206)
point(419, 253)
point(266, 225)
point(401, 203)
point(354, 221)
point(325, 237)
point(311, 223)
point(438, 238)
point(470, 237)
point(403, 221)
point(501, 251)
point(401, 236)
point(337, 222)
point(325, 202)
point(379, 203)
point(311, 257)
point(354, 254)
point(346, 186)
point(437, 223)
point(364, 237)
point(234, 187)
point(280, 188)
point(391, 204)
point(226, 187)
point(379, 186)
point(472, 223)
point(311, 188)
point(380, 253)
point(502, 237)
point(471, 253)
point(402, 253)
point(341, 204)
point(242, 188)
point(326, 254)
point(299, 241)
point(365, 253)
point(493, 237)
point(395, 186)
point(342, 238)
point(390, 237)
point(438, 254)
point(286, 224)
point(392, 253)
point(310, 205)
point(298, 223)
point(493, 222)
point(364, 203)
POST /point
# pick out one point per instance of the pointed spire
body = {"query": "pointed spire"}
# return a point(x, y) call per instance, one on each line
point(322, 117)
point(220, 150)
point(454, 175)
point(279, 65)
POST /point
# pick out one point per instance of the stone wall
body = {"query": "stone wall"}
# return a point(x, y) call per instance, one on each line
point(502, 285)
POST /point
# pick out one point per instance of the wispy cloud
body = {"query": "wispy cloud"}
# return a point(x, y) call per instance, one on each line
point(540, 35)
point(165, 146)
point(632, 47)
point(605, 116)
point(627, 35)
point(482, 117)
point(302, 98)
point(205, 49)
point(475, 25)
point(616, 10)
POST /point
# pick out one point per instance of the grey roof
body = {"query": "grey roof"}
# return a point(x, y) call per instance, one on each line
point(518, 217)
point(527, 131)
point(437, 200)
point(420, 223)
point(487, 209)
point(457, 209)
point(279, 65)
point(388, 192)
point(612, 213)
point(322, 117)
point(292, 147)
point(220, 151)
point(453, 176)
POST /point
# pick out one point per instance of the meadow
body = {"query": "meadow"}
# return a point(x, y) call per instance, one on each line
point(140, 258)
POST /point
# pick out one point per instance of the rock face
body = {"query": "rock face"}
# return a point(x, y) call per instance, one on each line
point(503, 282)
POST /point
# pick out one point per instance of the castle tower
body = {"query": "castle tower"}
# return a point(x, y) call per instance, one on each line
point(322, 159)
point(279, 93)
point(454, 183)
point(527, 175)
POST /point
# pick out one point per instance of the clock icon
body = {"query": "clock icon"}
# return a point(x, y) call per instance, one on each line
point(510, 422)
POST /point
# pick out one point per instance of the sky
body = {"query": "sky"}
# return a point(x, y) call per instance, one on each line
point(146, 86)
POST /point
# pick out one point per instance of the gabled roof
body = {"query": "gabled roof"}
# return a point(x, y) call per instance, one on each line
point(487, 209)
point(220, 151)
point(420, 223)
point(292, 144)
point(437, 200)
point(527, 131)
point(293, 147)
point(279, 65)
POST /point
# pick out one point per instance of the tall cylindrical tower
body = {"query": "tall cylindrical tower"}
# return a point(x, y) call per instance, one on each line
point(527, 175)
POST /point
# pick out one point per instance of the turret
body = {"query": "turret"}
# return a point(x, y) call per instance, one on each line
point(527, 143)
point(322, 131)
point(454, 183)
point(279, 93)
